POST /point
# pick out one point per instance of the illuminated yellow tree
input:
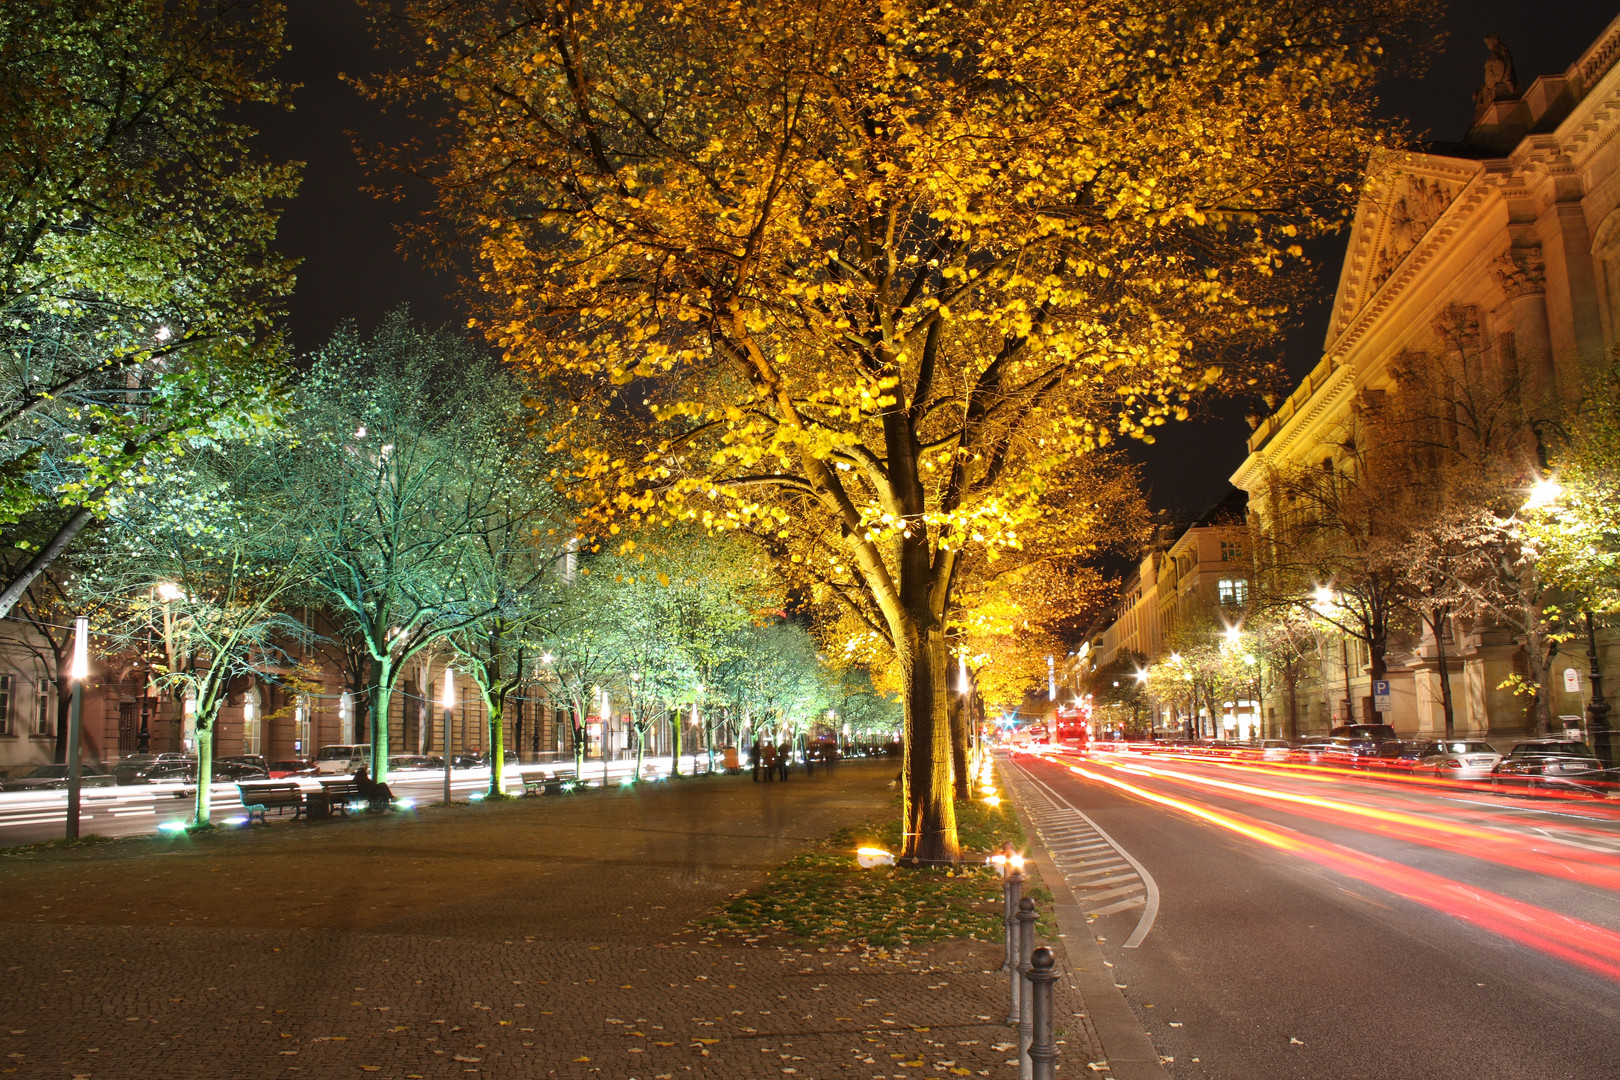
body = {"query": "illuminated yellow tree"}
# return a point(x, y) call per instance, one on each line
point(874, 271)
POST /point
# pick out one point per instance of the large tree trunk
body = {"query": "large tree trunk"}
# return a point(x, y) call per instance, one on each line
point(675, 744)
point(205, 769)
point(495, 707)
point(928, 813)
point(381, 690)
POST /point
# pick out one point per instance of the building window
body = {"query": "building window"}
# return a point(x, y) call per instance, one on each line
point(5, 704)
point(1233, 592)
point(1231, 550)
point(43, 720)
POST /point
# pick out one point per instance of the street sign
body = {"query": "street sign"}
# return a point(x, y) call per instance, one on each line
point(1380, 689)
point(1572, 680)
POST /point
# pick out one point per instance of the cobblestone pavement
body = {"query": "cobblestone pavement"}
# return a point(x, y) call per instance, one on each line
point(550, 937)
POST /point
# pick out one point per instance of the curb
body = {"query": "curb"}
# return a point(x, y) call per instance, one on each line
point(1125, 1043)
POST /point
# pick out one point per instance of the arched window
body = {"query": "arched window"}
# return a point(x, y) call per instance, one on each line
point(252, 722)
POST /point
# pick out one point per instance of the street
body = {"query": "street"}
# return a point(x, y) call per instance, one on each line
point(1313, 923)
point(139, 809)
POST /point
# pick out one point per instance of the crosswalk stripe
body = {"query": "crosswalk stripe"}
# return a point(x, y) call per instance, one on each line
point(1109, 880)
point(1112, 865)
point(1091, 898)
point(1118, 906)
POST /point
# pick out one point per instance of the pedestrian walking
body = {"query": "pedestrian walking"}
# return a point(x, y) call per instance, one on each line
point(767, 753)
point(784, 759)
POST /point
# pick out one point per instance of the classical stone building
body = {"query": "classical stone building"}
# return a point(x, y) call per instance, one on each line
point(1511, 239)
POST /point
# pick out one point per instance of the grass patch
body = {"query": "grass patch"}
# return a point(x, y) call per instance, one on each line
point(824, 894)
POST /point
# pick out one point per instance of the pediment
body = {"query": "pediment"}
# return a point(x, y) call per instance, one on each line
point(1405, 198)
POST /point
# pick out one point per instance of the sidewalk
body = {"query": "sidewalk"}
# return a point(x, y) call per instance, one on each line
point(548, 937)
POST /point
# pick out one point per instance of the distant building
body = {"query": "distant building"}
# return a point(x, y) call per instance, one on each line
point(1513, 236)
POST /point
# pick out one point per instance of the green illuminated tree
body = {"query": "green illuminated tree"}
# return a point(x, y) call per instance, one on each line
point(206, 563)
point(137, 281)
point(403, 443)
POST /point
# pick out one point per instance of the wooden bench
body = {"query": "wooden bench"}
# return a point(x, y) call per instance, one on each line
point(259, 799)
point(548, 783)
point(333, 798)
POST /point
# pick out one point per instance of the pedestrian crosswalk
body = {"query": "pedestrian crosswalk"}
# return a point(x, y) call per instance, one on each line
point(1102, 880)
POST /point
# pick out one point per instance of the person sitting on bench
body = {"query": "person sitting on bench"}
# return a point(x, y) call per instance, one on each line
point(374, 794)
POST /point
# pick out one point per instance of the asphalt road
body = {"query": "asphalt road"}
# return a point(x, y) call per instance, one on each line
point(1313, 924)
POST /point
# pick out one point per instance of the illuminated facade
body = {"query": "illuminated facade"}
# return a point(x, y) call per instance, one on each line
point(1508, 243)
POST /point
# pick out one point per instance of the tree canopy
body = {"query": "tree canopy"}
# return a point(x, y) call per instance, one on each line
point(877, 271)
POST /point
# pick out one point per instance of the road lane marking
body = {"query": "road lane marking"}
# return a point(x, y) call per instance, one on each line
point(1150, 904)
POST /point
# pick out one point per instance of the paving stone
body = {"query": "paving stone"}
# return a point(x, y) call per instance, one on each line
point(547, 938)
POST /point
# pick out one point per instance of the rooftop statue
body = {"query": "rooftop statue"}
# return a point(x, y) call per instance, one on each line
point(1499, 80)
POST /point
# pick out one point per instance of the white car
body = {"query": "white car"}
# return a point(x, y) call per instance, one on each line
point(343, 758)
point(1458, 759)
point(1274, 749)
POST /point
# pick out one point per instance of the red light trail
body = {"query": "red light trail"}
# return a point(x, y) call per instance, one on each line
point(1584, 944)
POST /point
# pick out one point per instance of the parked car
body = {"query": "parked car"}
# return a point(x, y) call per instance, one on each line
point(185, 772)
point(55, 777)
point(133, 768)
point(1463, 759)
point(1310, 751)
point(413, 763)
point(1363, 746)
point(1552, 764)
point(256, 760)
point(342, 758)
point(1274, 749)
point(280, 770)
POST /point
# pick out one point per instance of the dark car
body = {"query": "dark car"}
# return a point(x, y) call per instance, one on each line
point(133, 769)
point(255, 760)
point(185, 772)
point(54, 777)
point(1554, 765)
point(1363, 745)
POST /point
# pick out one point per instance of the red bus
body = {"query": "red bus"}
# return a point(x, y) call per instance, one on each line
point(1072, 727)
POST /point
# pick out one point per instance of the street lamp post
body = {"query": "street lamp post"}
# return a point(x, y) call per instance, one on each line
point(449, 703)
point(1597, 710)
point(79, 672)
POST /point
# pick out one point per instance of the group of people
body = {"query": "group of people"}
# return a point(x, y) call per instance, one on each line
point(771, 762)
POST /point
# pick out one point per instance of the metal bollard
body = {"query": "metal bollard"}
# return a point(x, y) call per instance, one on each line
point(1026, 950)
point(1014, 891)
point(1042, 975)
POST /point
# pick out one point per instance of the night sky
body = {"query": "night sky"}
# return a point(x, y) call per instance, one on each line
point(352, 268)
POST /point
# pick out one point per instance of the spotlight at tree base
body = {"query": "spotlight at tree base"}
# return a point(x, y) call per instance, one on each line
point(171, 827)
point(477, 796)
point(992, 799)
point(871, 857)
point(239, 819)
point(1544, 493)
point(1007, 863)
point(404, 804)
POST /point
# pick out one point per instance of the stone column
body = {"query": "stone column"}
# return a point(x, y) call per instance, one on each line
point(1520, 272)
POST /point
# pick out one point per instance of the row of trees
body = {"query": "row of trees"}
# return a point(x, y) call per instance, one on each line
point(400, 514)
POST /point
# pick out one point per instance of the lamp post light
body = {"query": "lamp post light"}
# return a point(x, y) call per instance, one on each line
point(78, 673)
point(449, 702)
point(607, 711)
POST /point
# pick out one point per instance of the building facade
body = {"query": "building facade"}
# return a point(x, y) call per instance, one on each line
point(1507, 247)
